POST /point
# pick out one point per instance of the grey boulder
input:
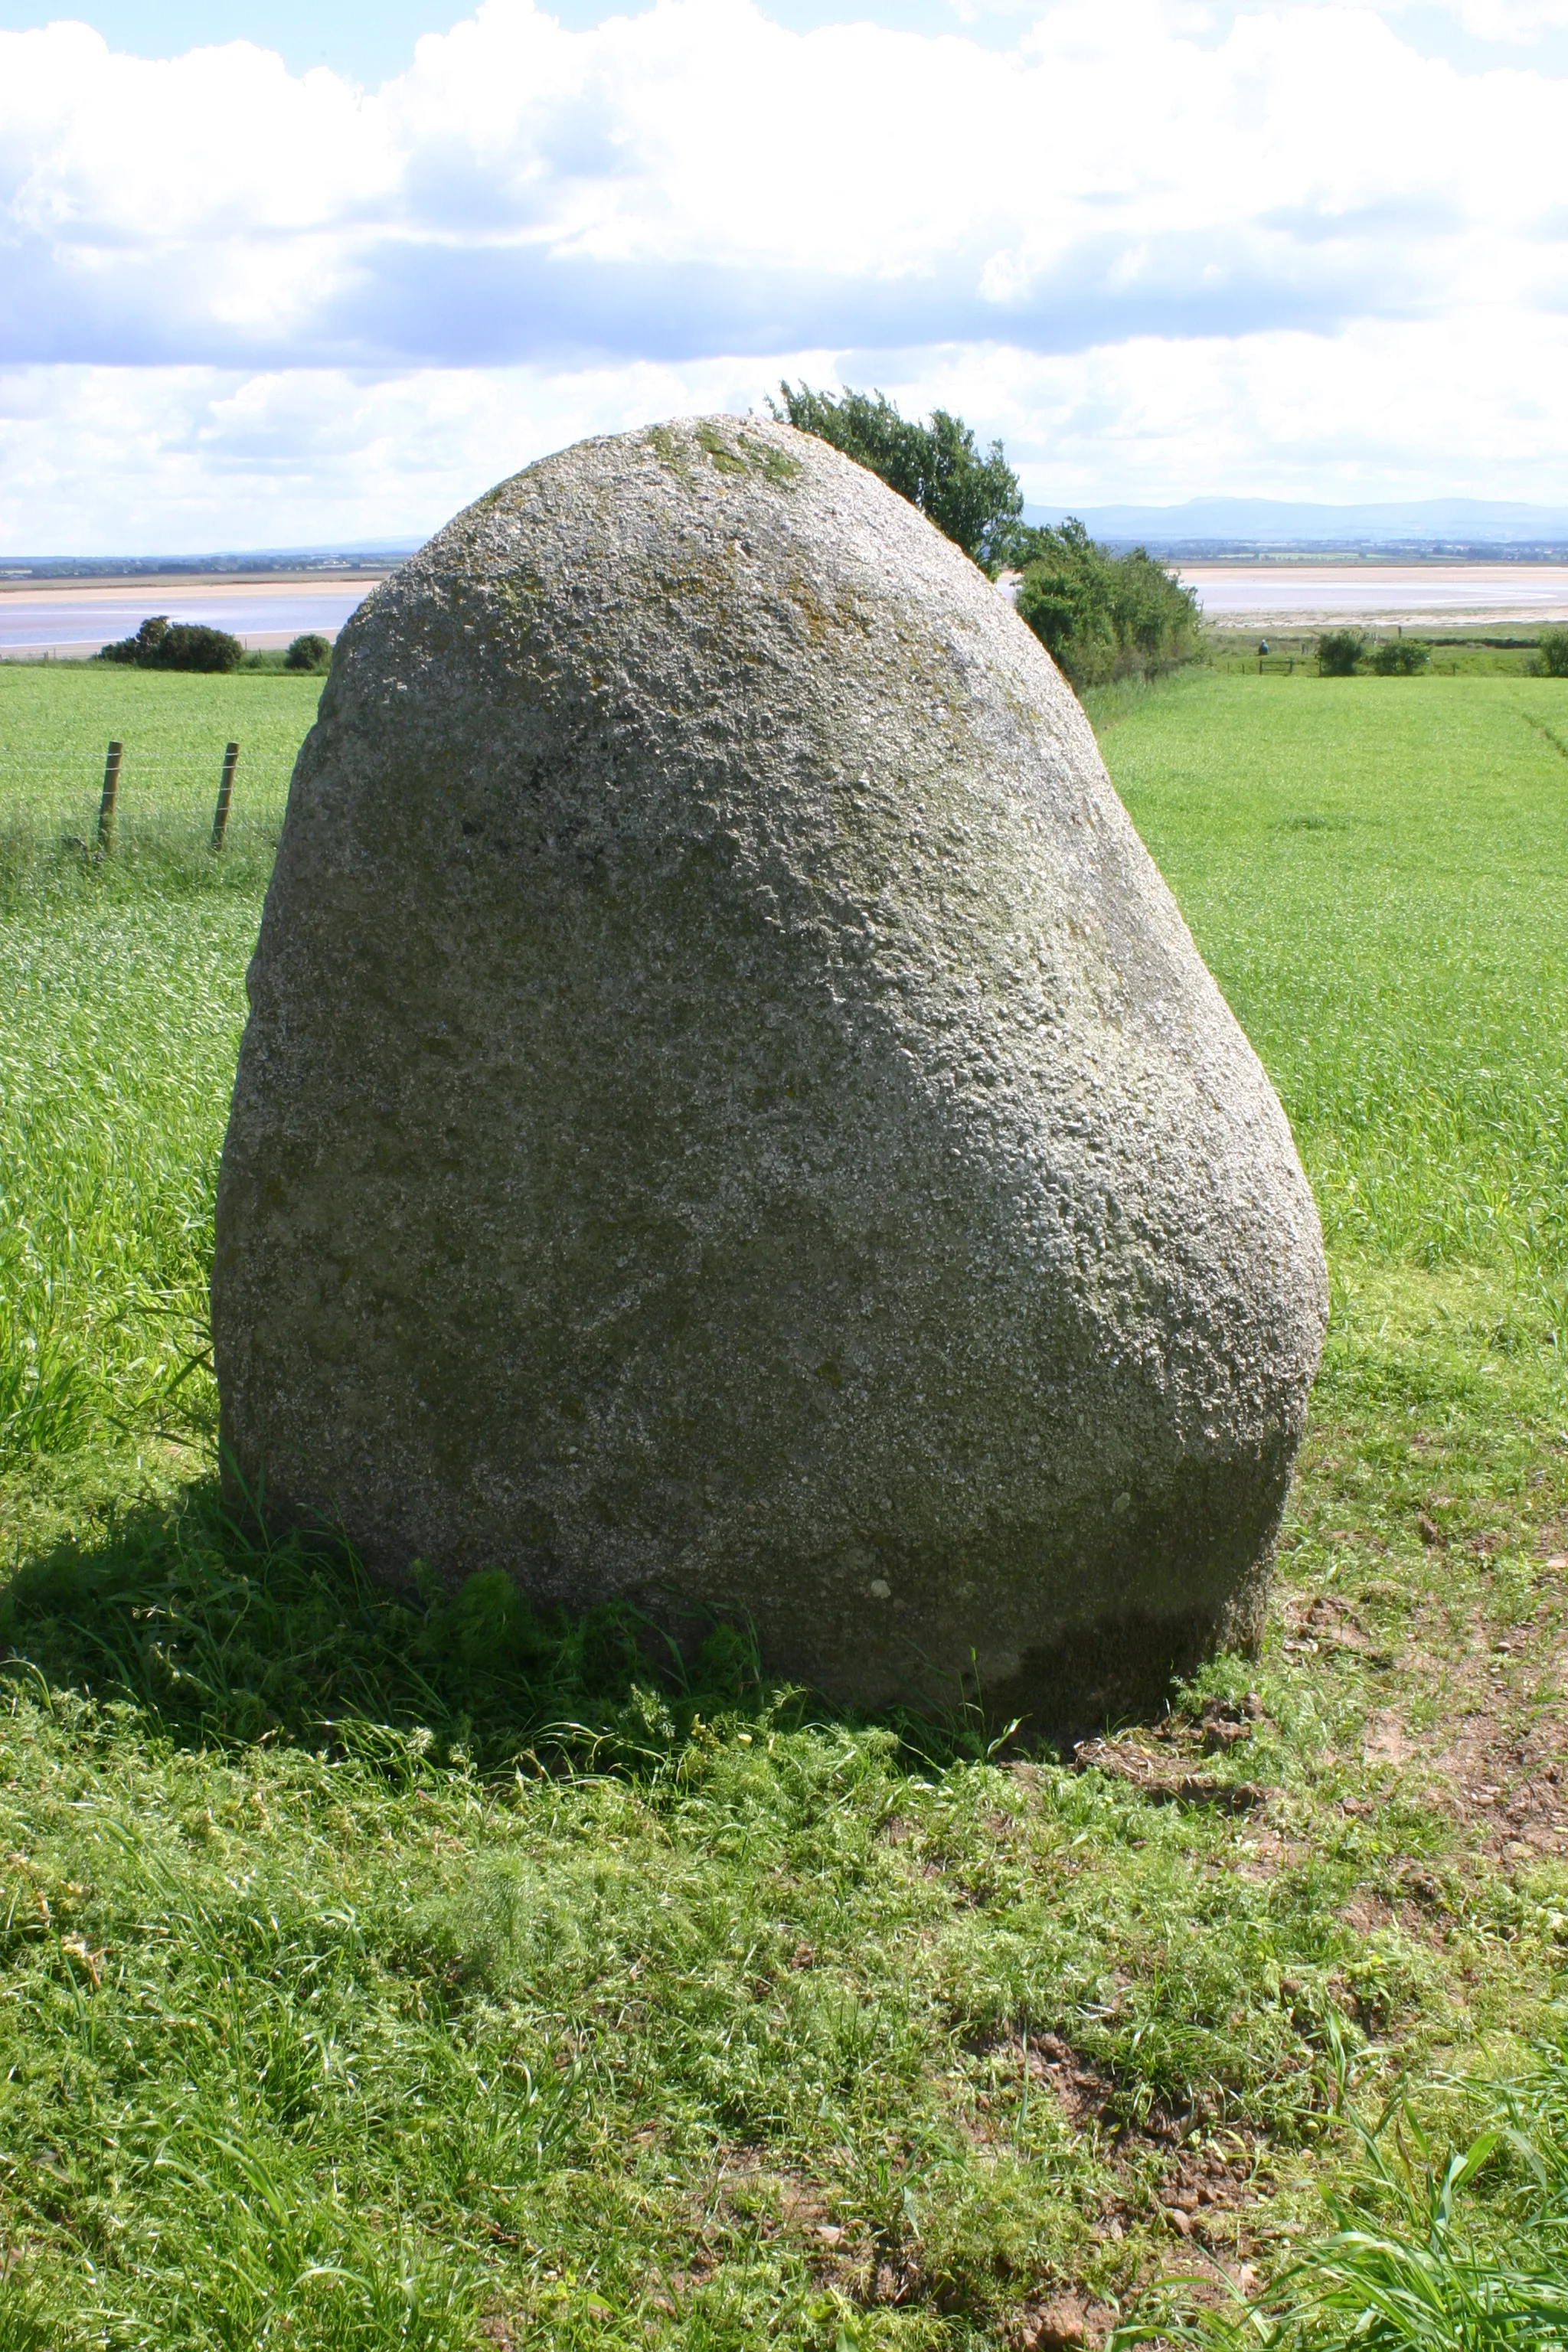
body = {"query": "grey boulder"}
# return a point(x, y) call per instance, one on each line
point(731, 1116)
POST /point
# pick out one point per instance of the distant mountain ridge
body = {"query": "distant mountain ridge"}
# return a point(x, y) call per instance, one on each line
point(1459, 526)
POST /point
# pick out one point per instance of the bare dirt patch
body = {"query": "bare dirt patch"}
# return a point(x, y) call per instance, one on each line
point(1325, 1623)
point(1157, 2158)
point(1163, 2167)
point(1505, 1780)
point(1162, 1762)
point(758, 2196)
point(1497, 1765)
point(1063, 2325)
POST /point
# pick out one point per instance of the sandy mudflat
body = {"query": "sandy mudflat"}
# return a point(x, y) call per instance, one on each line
point(76, 616)
point(268, 608)
point(1446, 595)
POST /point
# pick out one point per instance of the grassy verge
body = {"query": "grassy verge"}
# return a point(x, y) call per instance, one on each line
point(1504, 650)
point(399, 1970)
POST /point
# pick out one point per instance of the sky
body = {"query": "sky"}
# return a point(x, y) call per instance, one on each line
point(319, 274)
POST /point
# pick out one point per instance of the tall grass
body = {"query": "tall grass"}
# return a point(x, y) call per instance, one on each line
point(222, 1635)
point(1433, 2248)
point(1380, 883)
point(123, 979)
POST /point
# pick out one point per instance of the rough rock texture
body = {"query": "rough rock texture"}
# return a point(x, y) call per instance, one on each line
point(731, 1114)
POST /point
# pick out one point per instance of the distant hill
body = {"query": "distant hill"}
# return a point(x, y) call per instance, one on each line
point(1456, 527)
point(268, 558)
point(1468, 527)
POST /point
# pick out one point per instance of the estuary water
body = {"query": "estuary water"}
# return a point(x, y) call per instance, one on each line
point(1442, 595)
point(71, 618)
point(75, 618)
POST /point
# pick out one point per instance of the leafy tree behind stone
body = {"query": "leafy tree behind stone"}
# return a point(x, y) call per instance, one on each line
point(972, 496)
point(1099, 614)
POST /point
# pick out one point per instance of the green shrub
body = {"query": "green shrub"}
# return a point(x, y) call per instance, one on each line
point(163, 644)
point(1100, 615)
point(309, 651)
point(1339, 650)
point(1551, 654)
point(1398, 656)
point(975, 500)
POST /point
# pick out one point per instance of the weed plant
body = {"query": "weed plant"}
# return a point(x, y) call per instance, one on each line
point(405, 1967)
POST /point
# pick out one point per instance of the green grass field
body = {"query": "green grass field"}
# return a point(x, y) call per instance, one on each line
point(417, 1972)
point(57, 718)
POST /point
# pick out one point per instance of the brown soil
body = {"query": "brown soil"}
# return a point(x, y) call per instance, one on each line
point(1498, 1761)
point(1161, 1763)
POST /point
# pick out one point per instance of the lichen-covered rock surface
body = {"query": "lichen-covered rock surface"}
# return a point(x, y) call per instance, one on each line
point(730, 1115)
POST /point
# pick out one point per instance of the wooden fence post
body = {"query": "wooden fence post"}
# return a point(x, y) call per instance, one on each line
point(106, 806)
point(224, 794)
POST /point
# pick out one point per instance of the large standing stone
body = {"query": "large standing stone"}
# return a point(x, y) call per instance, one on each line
point(731, 1114)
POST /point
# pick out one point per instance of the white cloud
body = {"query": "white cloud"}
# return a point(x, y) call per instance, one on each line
point(167, 460)
point(1470, 405)
point(697, 178)
point(100, 460)
point(1153, 247)
point(1519, 21)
